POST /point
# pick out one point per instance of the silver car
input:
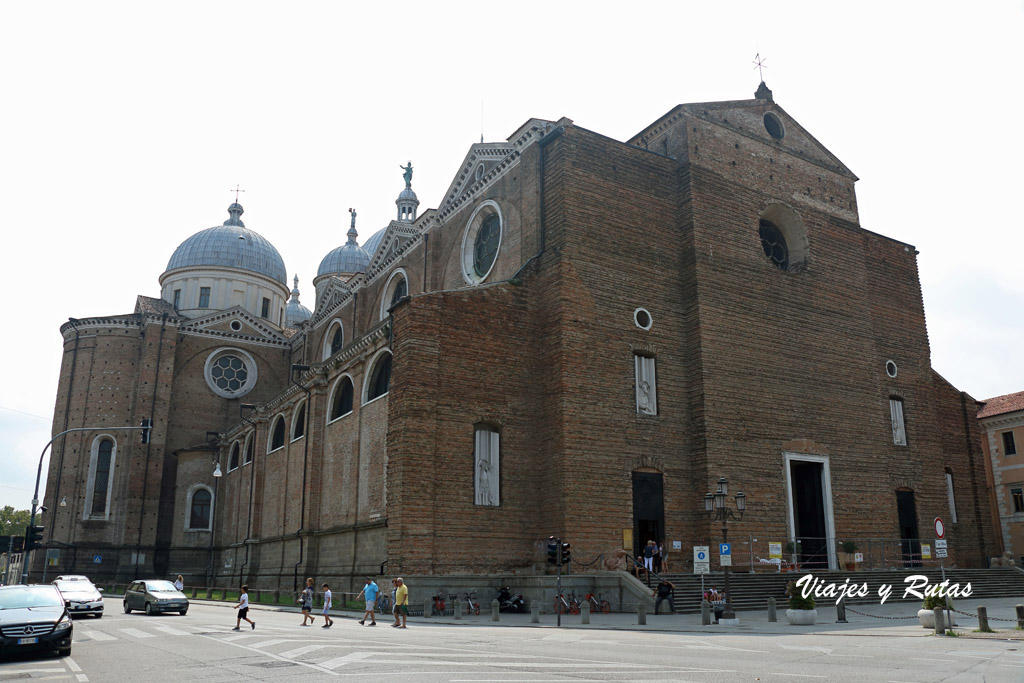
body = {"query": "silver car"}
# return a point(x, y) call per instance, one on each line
point(153, 597)
point(81, 596)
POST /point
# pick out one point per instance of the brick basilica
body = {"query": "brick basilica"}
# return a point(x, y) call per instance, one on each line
point(581, 339)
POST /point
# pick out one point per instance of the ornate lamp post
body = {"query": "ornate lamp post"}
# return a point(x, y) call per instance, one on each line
point(715, 507)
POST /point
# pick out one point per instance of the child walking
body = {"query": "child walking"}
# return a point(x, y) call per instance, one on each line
point(327, 606)
point(243, 610)
point(306, 599)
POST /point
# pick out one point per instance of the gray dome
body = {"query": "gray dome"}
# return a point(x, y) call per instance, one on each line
point(348, 258)
point(407, 193)
point(294, 312)
point(232, 245)
point(374, 242)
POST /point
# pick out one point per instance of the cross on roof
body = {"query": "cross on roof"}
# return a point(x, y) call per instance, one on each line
point(236, 191)
point(759, 61)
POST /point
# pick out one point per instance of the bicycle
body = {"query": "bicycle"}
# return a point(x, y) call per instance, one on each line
point(597, 603)
point(570, 604)
point(472, 605)
point(438, 606)
point(383, 604)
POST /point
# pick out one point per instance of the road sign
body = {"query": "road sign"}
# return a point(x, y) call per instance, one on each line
point(724, 549)
point(97, 559)
point(858, 557)
point(725, 554)
point(926, 551)
point(940, 528)
point(701, 559)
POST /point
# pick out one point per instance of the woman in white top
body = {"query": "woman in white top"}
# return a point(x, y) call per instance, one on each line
point(179, 583)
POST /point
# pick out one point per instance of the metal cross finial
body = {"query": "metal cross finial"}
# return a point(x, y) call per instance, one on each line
point(236, 191)
point(759, 61)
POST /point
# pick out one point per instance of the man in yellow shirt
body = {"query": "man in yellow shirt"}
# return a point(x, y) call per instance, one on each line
point(401, 602)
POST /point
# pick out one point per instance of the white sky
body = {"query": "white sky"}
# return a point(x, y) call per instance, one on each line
point(123, 126)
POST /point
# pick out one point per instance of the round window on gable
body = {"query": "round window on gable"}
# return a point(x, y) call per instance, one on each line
point(481, 242)
point(890, 368)
point(235, 325)
point(773, 124)
point(230, 373)
point(642, 319)
point(783, 238)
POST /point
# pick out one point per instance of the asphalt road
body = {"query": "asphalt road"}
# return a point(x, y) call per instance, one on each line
point(202, 647)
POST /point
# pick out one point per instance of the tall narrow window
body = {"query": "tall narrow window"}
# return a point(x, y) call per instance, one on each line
point(337, 340)
point(1018, 499)
point(341, 401)
point(101, 475)
point(899, 429)
point(277, 436)
point(233, 459)
point(204, 297)
point(250, 447)
point(265, 313)
point(199, 509)
point(177, 299)
point(299, 426)
point(486, 461)
point(1009, 447)
point(646, 386)
point(951, 495)
point(380, 380)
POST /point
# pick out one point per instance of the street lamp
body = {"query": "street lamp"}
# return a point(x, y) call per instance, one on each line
point(715, 507)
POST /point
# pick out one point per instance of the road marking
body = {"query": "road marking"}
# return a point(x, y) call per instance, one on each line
point(347, 659)
point(566, 637)
point(31, 671)
point(798, 675)
point(930, 659)
point(232, 639)
point(82, 677)
point(136, 633)
point(171, 631)
point(275, 641)
point(101, 636)
point(299, 651)
point(72, 664)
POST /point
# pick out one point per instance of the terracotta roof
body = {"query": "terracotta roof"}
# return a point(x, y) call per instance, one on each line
point(1002, 404)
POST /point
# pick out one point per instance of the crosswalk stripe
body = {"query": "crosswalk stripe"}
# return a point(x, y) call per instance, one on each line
point(275, 641)
point(242, 637)
point(171, 631)
point(100, 635)
point(299, 651)
point(136, 633)
point(351, 657)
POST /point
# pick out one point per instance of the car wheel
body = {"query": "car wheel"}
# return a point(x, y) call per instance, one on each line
point(149, 610)
point(64, 652)
point(183, 612)
point(127, 609)
point(98, 616)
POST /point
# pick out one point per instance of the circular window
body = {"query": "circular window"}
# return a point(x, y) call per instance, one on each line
point(481, 242)
point(890, 368)
point(642, 318)
point(773, 124)
point(230, 372)
point(235, 325)
point(479, 172)
point(774, 244)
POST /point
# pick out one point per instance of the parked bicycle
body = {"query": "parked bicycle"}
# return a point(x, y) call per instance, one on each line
point(566, 603)
point(383, 604)
point(472, 604)
point(439, 604)
point(597, 603)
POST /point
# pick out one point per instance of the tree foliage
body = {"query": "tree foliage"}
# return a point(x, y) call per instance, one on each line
point(13, 522)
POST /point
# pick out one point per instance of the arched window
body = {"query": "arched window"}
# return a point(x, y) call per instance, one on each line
point(396, 289)
point(200, 509)
point(233, 459)
point(341, 399)
point(250, 447)
point(380, 378)
point(277, 434)
point(101, 478)
point(401, 291)
point(951, 495)
point(299, 422)
point(334, 339)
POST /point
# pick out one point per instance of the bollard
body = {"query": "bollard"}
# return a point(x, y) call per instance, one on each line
point(983, 619)
point(209, 592)
point(940, 621)
point(277, 597)
point(259, 595)
point(585, 612)
point(641, 614)
point(841, 612)
point(534, 612)
point(1020, 617)
point(771, 610)
point(457, 608)
point(428, 608)
point(193, 593)
point(705, 613)
point(495, 609)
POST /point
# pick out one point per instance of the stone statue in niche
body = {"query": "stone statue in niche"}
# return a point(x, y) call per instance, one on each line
point(486, 467)
point(644, 397)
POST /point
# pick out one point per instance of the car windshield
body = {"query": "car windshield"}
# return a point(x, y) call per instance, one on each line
point(19, 597)
point(161, 587)
point(74, 586)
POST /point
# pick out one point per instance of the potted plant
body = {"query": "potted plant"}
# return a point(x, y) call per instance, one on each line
point(927, 612)
point(801, 610)
point(849, 548)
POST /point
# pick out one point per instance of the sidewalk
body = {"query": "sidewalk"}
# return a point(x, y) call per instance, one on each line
point(898, 619)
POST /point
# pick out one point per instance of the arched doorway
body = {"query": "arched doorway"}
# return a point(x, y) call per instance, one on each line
point(648, 509)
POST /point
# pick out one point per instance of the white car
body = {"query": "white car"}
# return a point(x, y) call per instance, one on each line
point(80, 596)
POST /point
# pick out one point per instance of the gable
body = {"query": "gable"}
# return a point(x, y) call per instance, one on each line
point(335, 292)
point(237, 324)
point(397, 238)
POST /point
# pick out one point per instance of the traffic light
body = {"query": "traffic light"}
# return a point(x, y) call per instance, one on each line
point(17, 544)
point(552, 550)
point(566, 556)
point(33, 537)
point(147, 427)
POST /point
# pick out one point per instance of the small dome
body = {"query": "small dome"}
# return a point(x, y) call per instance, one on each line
point(348, 258)
point(371, 244)
point(407, 193)
point(230, 245)
point(294, 312)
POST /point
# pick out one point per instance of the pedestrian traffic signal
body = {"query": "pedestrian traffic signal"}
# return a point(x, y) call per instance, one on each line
point(147, 427)
point(33, 537)
point(565, 556)
point(552, 550)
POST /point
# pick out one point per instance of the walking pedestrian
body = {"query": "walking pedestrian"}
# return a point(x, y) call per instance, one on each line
point(306, 599)
point(664, 592)
point(369, 594)
point(328, 622)
point(243, 610)
point(179, 583)
point(402, 598)
point(394, 601)
point(649, 556)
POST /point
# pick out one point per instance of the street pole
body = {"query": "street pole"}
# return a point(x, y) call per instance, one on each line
point(727, 613)
point(558, 610)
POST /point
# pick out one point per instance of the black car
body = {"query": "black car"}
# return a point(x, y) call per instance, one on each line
point(81, 596)
point(34, 618)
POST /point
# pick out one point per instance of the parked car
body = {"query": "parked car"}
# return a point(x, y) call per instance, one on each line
point(154, 596)
point(72, 577)
point(34, 618)
point(81, 597)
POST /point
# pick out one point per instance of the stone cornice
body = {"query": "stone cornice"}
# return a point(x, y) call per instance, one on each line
point(1004, 421)
point(130, 320)
point(198, 327)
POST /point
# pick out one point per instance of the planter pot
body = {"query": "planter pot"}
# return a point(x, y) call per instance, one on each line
point(801, 617)
point(927, 618)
